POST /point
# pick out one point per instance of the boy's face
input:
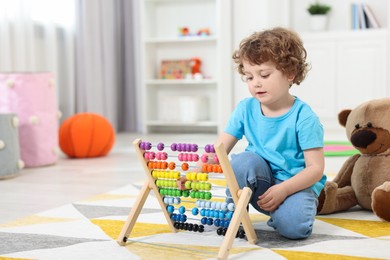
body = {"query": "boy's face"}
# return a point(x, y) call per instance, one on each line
point(266, 83)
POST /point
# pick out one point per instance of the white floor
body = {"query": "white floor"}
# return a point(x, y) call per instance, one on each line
point(42, 188)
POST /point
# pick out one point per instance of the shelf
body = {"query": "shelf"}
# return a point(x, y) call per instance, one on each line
point(156, 82)
point(184, 39)
point(190, 105)
point(347, 34)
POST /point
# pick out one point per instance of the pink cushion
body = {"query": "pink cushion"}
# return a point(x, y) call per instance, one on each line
point(32, 96)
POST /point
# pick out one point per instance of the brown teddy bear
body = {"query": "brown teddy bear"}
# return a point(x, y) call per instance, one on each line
point(364, 179)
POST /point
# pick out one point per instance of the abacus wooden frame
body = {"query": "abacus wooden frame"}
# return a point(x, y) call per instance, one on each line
point(240, 197)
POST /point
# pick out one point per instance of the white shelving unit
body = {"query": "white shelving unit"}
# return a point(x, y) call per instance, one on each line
point(186, 105)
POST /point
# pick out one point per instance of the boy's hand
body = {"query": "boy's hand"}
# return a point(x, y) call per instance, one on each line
point(181, 183)
point(272, 198)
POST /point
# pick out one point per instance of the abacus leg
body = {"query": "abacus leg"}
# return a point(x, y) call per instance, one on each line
point(235, 191)
point(235, 223)
point(135, 211)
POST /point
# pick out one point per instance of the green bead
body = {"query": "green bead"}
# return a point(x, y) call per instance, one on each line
point(186, 193)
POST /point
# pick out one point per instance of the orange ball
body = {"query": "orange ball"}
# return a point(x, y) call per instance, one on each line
point(86, 135)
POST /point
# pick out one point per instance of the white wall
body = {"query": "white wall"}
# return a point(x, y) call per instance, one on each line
point(250, 16)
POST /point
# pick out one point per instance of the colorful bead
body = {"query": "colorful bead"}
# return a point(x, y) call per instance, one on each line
point(195, 211)
point(184, 166)
point(160, 146)
point(170, 208)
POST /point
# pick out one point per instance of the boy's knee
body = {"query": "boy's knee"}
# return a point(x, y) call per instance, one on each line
point(246, 160)
point(296, 231)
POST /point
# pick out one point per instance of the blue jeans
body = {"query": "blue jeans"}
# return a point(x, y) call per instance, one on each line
point(294, 218)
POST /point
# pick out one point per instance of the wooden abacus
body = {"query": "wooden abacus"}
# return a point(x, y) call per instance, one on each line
point(240, 197)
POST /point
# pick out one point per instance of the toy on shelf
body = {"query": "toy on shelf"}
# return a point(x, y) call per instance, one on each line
point(195, 70)
point(203, 32)
point(185, 32)
point(181, 69)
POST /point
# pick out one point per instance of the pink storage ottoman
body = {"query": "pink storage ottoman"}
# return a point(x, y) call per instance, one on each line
point(32, 97)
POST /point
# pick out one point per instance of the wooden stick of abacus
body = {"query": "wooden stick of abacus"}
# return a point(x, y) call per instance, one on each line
point(135, 211)
point(241, 199)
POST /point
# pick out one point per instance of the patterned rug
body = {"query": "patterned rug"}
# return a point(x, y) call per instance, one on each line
point(88, 230)
point(339, 148)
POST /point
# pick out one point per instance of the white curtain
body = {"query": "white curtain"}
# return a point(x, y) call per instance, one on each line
point(105, 62)
point(36, 36)
point(88, 45)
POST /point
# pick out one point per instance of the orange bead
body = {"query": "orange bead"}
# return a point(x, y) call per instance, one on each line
point(164, 165)
point(184, 166)
point(172, 165)
point(204, 168)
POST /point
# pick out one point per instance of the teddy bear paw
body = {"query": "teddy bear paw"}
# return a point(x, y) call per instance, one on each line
point(326, 200)
point(381, 201)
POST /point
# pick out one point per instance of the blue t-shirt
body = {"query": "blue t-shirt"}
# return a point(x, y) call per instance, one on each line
point(279, 140)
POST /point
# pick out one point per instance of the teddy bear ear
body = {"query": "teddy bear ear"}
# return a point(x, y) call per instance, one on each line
point(343, 116)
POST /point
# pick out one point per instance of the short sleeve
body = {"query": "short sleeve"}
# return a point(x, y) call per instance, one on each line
point(235, 125)
point(311, 133)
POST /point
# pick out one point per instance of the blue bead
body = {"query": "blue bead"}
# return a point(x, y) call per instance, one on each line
point(217, 222)
point(210, 221)
point(203, 212)
point(195, 211)
point(229, 215)
point(204, 221)
point(182, 210)
point(170, 208)
point(227, 222)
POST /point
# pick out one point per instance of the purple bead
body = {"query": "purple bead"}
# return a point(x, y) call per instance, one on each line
point(142, 145)
point(174, 147)
point(207, 148)
point(194, 148)
point(188, 147)
point(212, 150)
point(160, 146)
point(148, 146)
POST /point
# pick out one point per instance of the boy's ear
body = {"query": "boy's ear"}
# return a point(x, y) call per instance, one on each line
point(291, 77)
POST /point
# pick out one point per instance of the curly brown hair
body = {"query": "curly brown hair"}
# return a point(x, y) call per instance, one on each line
point(281, 46)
